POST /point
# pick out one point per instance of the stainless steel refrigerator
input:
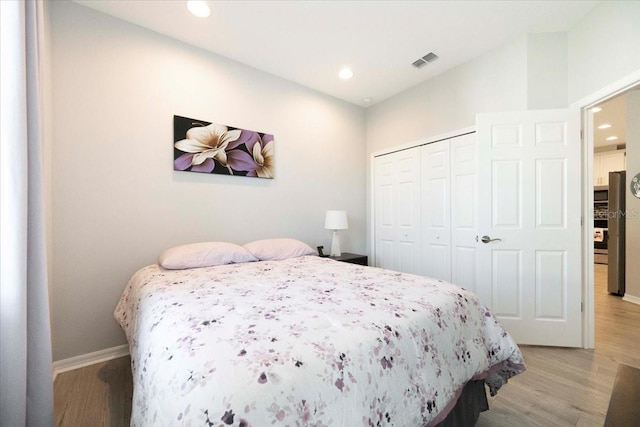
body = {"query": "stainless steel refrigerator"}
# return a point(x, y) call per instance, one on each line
point(616, 225)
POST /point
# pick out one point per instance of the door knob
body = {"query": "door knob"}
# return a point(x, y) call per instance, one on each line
point(487, 239)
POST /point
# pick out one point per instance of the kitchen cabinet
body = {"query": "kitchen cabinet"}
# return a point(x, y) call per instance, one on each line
point(605, 162)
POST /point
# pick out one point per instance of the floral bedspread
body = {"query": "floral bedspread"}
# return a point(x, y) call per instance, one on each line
point(305, 342)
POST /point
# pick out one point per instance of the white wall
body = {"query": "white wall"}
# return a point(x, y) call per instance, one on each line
point(603, 47)
point(547, 75)
point(496, 81)
point(117, 201)
point(528, 73)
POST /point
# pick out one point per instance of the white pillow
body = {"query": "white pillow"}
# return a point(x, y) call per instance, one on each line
point(205, 254)
point(277, 249)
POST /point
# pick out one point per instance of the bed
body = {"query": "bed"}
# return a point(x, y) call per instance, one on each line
point(306, 341)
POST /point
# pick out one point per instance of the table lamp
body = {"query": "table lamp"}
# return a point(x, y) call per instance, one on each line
point(335, 220)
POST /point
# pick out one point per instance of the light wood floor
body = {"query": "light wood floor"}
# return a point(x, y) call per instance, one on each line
point(571, 387)
point(561, 387)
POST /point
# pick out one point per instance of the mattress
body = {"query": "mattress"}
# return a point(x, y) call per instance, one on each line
point(305, 341)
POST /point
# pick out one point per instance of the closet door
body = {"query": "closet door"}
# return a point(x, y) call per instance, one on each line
point(436, 210)
point(464, 210)
point(397, 211)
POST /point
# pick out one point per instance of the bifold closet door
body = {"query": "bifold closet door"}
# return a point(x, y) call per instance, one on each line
point(397, 211)
point(449, 210)
point(464, 211)
point(436, 209)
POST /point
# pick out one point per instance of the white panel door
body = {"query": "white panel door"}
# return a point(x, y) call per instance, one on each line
point(436, 210)
point(397, 211)
point(385, 221)
point(529, 190)
point(464, 210)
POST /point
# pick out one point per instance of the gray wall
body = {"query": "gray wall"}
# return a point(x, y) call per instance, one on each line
point(117, 203)
point(633, 204)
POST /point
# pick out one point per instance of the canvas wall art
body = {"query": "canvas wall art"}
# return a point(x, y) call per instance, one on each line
point(205, 147)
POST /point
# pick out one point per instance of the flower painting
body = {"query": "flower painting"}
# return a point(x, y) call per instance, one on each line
point(205, 147)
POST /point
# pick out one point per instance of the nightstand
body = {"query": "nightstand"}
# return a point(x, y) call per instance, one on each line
point(351, 258)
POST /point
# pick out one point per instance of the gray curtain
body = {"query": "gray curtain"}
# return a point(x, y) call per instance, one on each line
point(26, 381)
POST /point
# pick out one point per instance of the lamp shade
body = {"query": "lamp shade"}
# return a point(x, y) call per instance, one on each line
point(336, 220)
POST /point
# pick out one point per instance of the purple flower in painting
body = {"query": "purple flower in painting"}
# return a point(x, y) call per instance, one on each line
point(262, 151)
point(240, 160)
point(202, 145)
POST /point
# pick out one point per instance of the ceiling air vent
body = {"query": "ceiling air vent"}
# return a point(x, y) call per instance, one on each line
point(421, 62)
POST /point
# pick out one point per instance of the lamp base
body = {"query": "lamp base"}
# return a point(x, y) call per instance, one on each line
point(335, 244)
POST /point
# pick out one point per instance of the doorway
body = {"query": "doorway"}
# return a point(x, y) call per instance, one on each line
point(609, 183)
point(607, 143)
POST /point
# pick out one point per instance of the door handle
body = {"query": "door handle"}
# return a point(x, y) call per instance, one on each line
point(487, 239)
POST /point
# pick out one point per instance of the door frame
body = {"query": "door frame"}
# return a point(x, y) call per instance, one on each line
point(585, 104)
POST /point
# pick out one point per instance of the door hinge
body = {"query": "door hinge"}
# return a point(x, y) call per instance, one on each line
point(581, 307)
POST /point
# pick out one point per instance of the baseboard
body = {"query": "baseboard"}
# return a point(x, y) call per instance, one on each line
point(76, 362)
point(631, 298)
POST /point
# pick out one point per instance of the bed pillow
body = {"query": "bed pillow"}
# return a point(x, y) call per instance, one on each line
point(205, 254)
point(277, 249)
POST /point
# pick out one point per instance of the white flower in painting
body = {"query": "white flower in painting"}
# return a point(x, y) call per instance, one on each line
point(203, 144)
point(262, 152)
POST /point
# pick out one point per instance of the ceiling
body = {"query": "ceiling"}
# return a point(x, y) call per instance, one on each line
point(614, 112)
point(308, 42)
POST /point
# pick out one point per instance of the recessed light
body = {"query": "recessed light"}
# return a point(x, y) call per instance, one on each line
point(596, 109)
point(612, 138)
point(604, 126)
point(367, 99)
point(200, 8)
point(345, 73)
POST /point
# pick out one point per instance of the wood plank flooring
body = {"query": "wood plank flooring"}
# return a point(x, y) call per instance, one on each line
point(571, 387)
point(94, 396)
point(561, 387)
